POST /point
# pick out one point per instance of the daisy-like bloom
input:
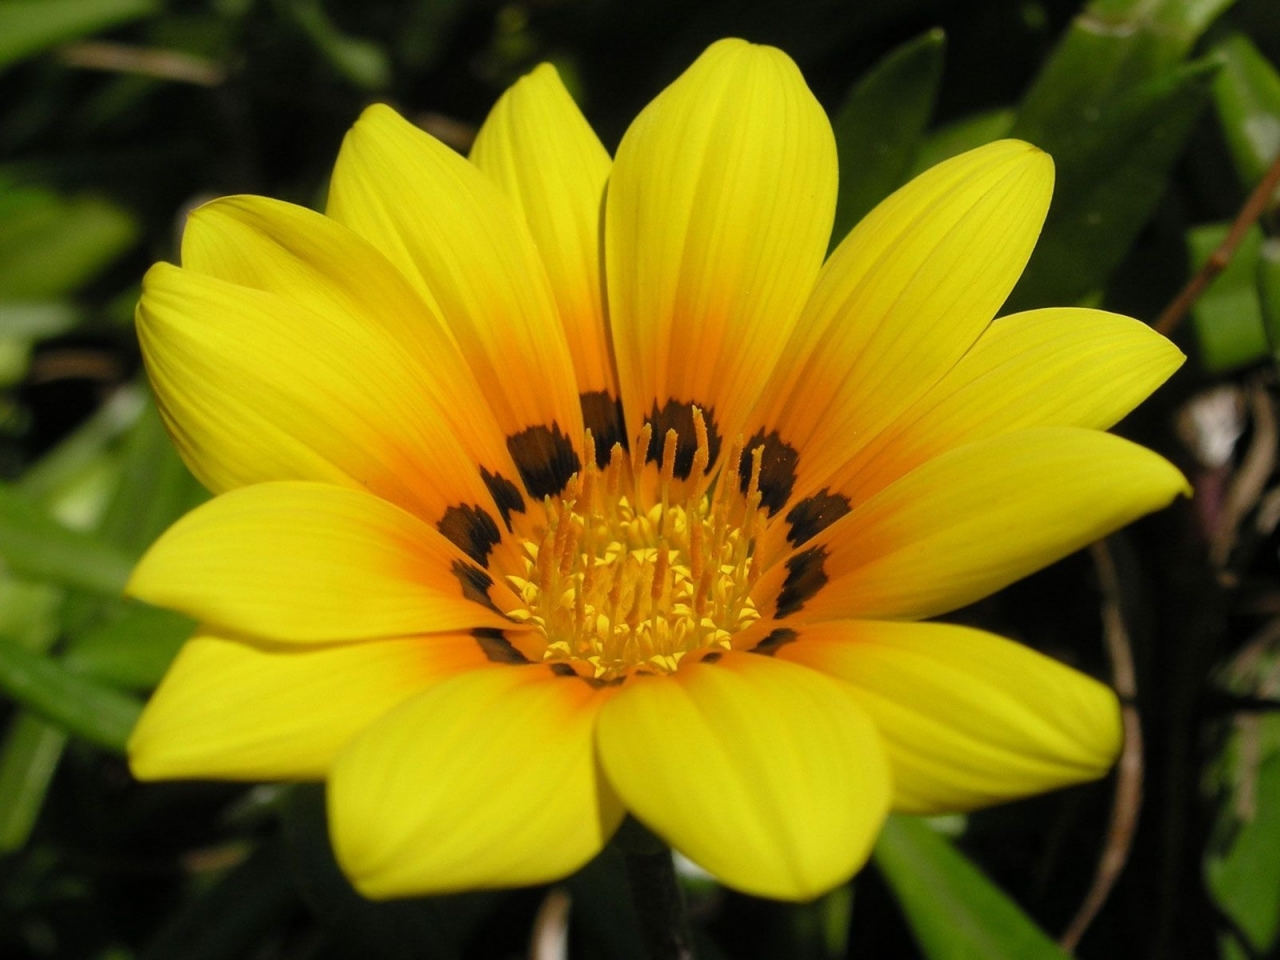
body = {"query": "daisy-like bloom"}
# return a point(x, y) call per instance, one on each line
point(552, 488)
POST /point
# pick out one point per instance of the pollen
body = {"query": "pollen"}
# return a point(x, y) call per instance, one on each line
point(629, 574)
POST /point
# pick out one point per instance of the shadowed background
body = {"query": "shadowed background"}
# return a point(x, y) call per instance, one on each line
point(116, 116)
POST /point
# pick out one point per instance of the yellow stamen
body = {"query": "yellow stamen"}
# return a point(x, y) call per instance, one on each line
point(615, 584)
point(702, 454)
point(639, 451)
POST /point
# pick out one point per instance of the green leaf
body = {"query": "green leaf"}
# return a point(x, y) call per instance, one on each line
point(1242, 869)
point(29, 612)
point(30, 26)
point(880, 126)
point(955, 138)
point(28, 762)
point(1229, 947)
point(132, 649)
point(954, 911)
point(36, 319)
point(15, 360)
point(156, 488)
point(1228, 316)
point(1247, 97)
point(78, 705)
point(51, 245)
point(21, 324)
point(1113, 107)
point(120, 309)
point(362, 62)
point(35, 545)
point(1109, 180)
point(1110, 48)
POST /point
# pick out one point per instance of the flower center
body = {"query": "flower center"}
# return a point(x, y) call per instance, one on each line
point(619, 582)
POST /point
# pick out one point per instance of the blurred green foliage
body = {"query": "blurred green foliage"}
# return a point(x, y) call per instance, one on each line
point(953, 909)
point(118, 115)
point(1241, 869)
point(30, 26)
point(880, 125)
point(1228, 316)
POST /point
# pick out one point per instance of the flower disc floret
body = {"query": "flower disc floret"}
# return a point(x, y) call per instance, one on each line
point(618, 585)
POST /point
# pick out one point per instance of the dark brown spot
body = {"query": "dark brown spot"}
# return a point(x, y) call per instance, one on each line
point(713, 657)
point(564, 670)
point(777, 638)
point(602, 415)
point(805, 577)
point(497, 647)
point(679, 417)
point(475, 583)
point(814, 514)
point(777, 469)
point(506, 495)
point(472, 529)
point(545, 458)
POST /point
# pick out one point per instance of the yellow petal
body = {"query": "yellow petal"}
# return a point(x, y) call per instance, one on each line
point(537, 146)
point(718, 213)
point(902, 298)
point(232, 709)
point(968, 523)
point(460, 242)
point(488, 779)
point(968, 718)
point(254, 387)
point(1067, 367)
point(309, 562)
point(319, 264)
point(769, 776)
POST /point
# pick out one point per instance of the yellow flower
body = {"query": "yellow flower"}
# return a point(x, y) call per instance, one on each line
point(552, 488)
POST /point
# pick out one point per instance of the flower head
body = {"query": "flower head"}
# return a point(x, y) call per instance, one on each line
point(552, 487)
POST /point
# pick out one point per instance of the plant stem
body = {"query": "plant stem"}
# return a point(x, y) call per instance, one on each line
point(1253, 208)
point(1129, 770)
point(659, 904)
